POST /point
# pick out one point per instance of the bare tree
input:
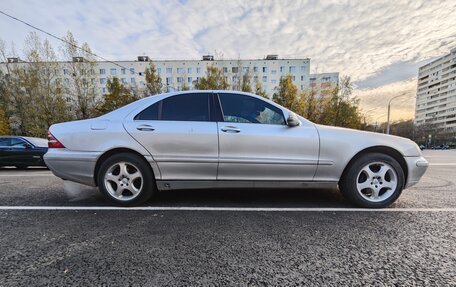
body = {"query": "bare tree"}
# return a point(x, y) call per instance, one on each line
point(81, 85)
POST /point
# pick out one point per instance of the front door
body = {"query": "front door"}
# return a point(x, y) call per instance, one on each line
point(180, 136)
point(256, 143)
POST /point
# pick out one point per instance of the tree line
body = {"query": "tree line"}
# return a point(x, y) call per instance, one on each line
point(34, 95)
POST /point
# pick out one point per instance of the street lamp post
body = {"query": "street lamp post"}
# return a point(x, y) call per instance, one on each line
point(389, 111)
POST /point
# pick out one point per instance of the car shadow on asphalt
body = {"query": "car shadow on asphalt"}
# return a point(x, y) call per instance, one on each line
point(250, 198)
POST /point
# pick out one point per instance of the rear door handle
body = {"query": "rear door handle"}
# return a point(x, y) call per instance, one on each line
point(145, 128)
point(231, 129)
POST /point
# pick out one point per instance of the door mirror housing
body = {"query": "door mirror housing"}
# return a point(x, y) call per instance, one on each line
point(27, 145)
point(292, 120)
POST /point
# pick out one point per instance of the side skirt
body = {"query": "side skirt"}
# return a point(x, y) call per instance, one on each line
point(209, 184)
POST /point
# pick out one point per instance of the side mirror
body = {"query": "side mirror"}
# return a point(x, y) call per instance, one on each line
point(27, 145)
point(293, 120)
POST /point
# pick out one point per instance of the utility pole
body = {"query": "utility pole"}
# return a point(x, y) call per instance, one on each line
point(389, 112)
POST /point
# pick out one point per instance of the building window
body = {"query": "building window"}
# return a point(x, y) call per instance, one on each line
point(123, 71)
point(169, 80)
point(234, 69)
point(292, 69)
point(234, 79)
point(124, 81)
point(65, 71)
point(103, 90)
point(265, 79)
point(66, 81)
point(180, 70)
point(169, 70)
point(113, 72)
point(302, 79)
point(303, 69)
point(282, 69)
point(198, 70)
point(255, 69)
point(132, 71)
point(273, 72)
point(189, 79)
point(245, 69)
point(103, 81)
point(225, 69)
point(273, 81)
point(159, 71)
point(102, 71)
point(133, 81)
point(293, 78)
point(189, 70)
point(265, 69)
point(180, 79)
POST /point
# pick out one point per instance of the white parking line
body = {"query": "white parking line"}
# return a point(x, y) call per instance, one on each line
point(204, 208)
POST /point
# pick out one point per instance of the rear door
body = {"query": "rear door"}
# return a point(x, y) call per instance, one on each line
point(256, 143)
point(22, 152)
point(4, 147)
point(180, 135)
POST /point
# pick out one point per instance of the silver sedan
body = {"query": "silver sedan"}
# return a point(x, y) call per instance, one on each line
point(227, 139)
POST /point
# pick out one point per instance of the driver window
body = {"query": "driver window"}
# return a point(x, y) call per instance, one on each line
point(239, 108)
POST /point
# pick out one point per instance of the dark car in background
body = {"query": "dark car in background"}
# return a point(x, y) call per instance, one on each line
point(22, 152)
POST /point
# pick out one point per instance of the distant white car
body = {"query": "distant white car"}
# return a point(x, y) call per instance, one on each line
point(227, 139)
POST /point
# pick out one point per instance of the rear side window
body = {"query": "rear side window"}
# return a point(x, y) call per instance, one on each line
point(15, 142)
point(186, 107)
point(149, 114)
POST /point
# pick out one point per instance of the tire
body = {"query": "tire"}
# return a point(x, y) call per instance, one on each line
point(374, 180)
point(126, 179)
point(21, 166)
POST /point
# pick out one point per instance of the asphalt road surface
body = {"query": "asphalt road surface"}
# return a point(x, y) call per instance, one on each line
point(56, 234)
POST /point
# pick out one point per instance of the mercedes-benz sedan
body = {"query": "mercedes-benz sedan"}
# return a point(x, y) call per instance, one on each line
point(227, 139)
point(22, 152)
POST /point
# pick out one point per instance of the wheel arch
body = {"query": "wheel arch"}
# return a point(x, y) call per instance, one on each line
point(111, 152)
point(384, 150)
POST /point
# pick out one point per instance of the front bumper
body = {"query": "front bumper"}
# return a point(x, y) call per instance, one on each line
point(417, 166)
point(71, 165)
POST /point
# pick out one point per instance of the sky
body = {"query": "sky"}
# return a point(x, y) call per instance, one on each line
point(379, 44)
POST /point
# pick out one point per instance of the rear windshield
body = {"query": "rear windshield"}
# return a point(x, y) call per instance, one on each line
point(38, 142)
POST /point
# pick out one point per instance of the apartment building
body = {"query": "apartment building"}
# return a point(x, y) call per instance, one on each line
point(177, 74)
point(436, 92)
point(323, 84)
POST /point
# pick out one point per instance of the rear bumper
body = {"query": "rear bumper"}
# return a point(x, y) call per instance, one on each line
point(71, 165)
point(417, 166)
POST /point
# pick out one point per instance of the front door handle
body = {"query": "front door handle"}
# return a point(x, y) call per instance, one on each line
point(145, 128)
point(231, 129)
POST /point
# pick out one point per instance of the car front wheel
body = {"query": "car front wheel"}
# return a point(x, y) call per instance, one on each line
point(126, 179)
point(374, 180)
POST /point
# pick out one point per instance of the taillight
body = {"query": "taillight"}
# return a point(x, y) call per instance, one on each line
point(53, 142)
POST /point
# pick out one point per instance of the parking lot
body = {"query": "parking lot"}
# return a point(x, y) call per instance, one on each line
point(56, 234)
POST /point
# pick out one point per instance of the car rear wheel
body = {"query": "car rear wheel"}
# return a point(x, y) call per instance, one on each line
point(374, 180)
point(126, 179)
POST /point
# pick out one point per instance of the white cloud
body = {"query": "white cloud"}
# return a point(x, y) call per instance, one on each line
point(357, 38)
